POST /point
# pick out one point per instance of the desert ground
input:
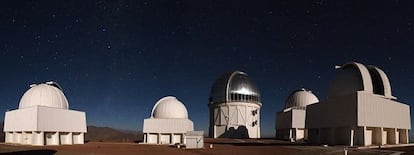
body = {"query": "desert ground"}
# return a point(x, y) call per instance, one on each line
point(221, 146)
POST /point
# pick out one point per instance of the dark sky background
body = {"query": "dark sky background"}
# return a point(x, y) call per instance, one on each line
point(115, 59)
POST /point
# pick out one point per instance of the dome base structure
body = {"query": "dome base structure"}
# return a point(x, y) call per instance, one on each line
point(360, 119)
point(235, 120)
point(166, 131)
point(44, 118)
point(168, 123)
point(40, 125)
point(359, 110)
point(290, 125)
point(290, 122)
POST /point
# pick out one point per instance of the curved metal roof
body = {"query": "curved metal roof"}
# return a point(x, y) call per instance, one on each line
point(234, 86)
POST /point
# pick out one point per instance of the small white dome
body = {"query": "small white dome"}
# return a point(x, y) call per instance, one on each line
point(300, 98)
point(45, 94)
point(169, 107)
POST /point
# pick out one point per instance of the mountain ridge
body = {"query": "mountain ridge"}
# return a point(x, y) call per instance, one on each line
point(103, 134)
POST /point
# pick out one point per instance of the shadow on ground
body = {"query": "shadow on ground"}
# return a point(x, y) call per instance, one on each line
point(259, 144)
point(31, 152)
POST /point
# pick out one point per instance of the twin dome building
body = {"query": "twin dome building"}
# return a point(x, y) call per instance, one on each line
point(359, 110)
point(44, 118)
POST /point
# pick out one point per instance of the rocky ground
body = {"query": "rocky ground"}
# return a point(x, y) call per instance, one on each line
point(220, 146)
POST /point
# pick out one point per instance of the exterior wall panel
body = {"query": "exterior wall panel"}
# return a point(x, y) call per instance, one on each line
point(376, 111)
point(53, 119)
point(21, 120)
point(334, 112)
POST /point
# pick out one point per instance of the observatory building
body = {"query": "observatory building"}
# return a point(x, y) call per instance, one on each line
point(359, 110)
point(44, 118)
point(290, 122)
point(234, 107)
point(168, 122)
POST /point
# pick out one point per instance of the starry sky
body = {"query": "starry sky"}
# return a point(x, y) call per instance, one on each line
point(116, 58)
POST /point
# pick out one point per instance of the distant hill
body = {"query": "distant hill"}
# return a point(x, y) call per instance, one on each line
point(103, 134)
point(107, 134)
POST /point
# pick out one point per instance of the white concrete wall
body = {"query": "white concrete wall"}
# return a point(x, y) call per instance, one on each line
point(194, 142)
point(234, 115)
point(27, 138)
point(334, 112)
point(51, 138)
point(177, 138)
point(165, 138)
point(284, 120)
point(152, 138)
point(152, 125)
point(8, 137)
point(21, 120)
point(290, 124)
point(52, 119)
point(78, 138)
point(40, 118)
point(300, 134)
point(18, 138)
point(66, 138)
point(376, 111)
point(298, 118)
point(38, 138)
point(372, 118)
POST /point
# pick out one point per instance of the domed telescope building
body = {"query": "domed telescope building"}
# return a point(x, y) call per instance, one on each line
point(359, 110)
point(44, 118)
point(234, 107)
point(290, 122)
point(168, 123)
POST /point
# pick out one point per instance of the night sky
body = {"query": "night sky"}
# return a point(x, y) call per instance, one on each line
point(115, 59)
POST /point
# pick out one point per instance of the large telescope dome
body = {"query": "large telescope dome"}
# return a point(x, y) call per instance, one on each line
point(234, 87)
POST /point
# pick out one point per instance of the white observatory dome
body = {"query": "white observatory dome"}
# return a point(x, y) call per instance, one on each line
point(169, 107)
point(47, 94)
point(300, 98)
point(353, 76)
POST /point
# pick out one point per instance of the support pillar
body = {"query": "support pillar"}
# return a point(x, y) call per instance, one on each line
point(41, 140)
point(172, 138)
point(352, 137)
point(365, 136)
point(159, 138)
point(383, 137)
point(183, 138)
point(70, 138)
point(145, 137)
point(319, 135)
point(406, 136)
point(396, 136)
